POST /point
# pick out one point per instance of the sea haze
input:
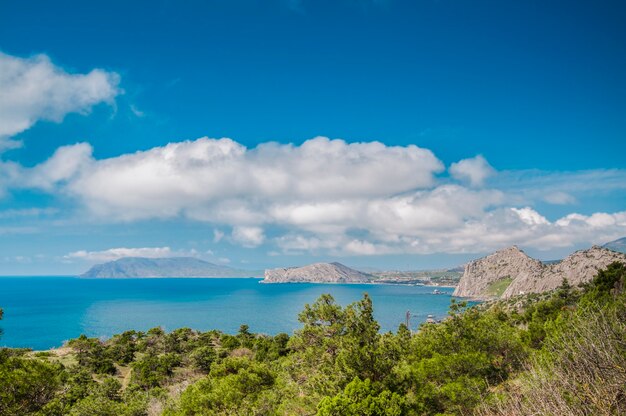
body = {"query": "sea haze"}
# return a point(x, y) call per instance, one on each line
point(42, 312)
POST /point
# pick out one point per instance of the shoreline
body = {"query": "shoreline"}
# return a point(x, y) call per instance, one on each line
point(358, 283)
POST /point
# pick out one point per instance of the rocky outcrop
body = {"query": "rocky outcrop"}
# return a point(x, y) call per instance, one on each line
point(511, 272)
point(480, 276)
point(164, 267)
point(579, 267)
point(317, 273)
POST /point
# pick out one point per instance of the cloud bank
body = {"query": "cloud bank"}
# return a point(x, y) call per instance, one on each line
point(326, 196)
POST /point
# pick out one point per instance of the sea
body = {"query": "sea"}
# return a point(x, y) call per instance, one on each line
point(44, 312)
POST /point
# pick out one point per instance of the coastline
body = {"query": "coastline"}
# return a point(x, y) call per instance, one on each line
point(263, 281)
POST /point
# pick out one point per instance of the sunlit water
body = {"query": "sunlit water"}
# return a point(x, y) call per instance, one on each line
point(42, 312)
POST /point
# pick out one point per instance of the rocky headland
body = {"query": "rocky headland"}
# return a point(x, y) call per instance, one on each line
point(164, 267)
point(317, 273)
point(510, 272)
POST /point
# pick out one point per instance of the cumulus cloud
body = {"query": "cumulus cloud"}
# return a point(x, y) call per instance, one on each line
point(62, 166)
point(118, 253)
point(33, 89)
point(474, 170)
point(529, 216)
point(324, 196)
point(323, 186)
point(220, 180)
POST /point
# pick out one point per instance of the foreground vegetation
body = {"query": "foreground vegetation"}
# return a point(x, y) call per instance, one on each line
point(562, 353)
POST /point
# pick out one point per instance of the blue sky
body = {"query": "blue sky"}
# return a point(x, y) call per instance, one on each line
point(498, 123)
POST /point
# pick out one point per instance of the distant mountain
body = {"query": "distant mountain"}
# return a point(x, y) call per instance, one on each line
point(164, 267)
point(617, 245)
point(511, 272)
point(368, 269)
point(317, 273)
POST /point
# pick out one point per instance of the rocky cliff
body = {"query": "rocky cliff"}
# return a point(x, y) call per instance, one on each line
point(486, 277)
point(317, 273)
point(511, 272)
point(164, 267)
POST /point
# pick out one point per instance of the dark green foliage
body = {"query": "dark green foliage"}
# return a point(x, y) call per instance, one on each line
point(450, 365)
point(229, 342)
point(203, 357)
point(359, 354)
point(360, 398)
point(91, 353)
point(179, 341)
point(26, 385)
point(236, 386)
point(122, 348)
point(152, 370)
point(271, 348)
point(609, 283)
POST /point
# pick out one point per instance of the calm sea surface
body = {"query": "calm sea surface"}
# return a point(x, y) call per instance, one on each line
point(42, 312)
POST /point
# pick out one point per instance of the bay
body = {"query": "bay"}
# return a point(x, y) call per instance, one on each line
point(43, 312)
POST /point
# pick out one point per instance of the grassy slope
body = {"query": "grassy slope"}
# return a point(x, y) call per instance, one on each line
point(497, 288)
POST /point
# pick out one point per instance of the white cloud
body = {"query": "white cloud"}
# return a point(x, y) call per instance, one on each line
point(324, 196)
point(360, 247)
point(248, 236)
point(118, 253)
point(62, 166)
point(222, 181)
point(191, 176)
point(474, 170)
point(35, 89)
point(530, 217)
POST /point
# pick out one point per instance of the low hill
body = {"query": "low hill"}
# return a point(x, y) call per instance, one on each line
point(317, 273)
point(164, 267)
point(618, 245)
point(510, 272)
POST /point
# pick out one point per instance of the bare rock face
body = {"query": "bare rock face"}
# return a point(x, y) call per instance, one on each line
point(481, 275)
point(511, 272)
point(317, 273)
point(579, 267)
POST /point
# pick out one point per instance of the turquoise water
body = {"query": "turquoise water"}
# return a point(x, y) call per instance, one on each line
point(42, 312)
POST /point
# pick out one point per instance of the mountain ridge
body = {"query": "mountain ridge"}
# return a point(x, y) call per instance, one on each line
point(131, 267)
point(510, 272)
point(618, 245)
point(317, 273)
